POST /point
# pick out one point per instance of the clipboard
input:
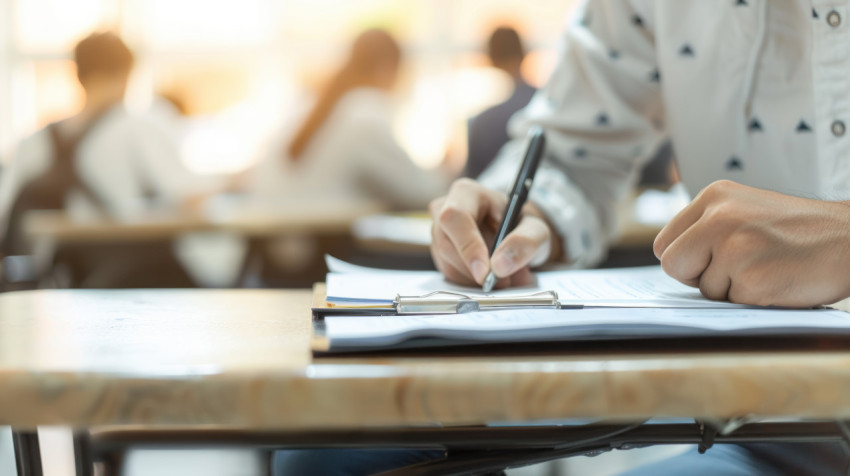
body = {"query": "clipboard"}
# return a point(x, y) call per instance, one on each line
point(439, 302)
point(615, 332)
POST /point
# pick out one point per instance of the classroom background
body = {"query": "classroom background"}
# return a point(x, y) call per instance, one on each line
point(238, 69)
point(229, 84)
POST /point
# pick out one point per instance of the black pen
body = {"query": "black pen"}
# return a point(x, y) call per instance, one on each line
point(519, 193)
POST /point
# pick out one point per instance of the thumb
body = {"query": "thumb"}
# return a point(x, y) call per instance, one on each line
point(530, 241)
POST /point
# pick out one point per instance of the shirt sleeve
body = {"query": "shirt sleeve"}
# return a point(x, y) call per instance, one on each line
point(602, 113)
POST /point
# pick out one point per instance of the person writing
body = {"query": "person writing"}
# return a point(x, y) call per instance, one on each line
point(753, 96)
point(760, 136)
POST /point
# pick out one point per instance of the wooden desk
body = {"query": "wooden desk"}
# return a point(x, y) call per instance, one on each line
point(152, 235)
point(238, 361)
point(315, 218)
point(240, 358)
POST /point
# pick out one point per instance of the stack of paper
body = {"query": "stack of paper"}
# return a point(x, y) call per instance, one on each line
point(352, 285)
point(629, 303)
point(377, 332)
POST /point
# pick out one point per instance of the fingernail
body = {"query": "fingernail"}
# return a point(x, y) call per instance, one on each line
point(503, 264)
point(479, 271)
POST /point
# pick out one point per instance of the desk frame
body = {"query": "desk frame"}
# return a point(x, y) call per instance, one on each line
point(469, 450)
point(27, 453)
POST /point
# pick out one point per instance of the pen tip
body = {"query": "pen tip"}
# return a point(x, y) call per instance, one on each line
point(489, 282)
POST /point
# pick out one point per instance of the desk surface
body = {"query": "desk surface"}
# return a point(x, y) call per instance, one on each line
point(241, 358)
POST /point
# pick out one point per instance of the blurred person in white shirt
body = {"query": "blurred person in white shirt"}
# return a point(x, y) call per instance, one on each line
point(118, 165)
point(126, 160)
point(345, 150)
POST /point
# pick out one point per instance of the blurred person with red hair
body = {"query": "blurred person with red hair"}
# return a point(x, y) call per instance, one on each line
point(345, 150)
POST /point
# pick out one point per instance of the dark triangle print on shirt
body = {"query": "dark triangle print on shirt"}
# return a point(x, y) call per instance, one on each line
point(755, 125)
point(686, 50)
point(580, 152)
point(803, 127)
point(734, 164)
point(637, 20)
point(602, 119)
point(741, 3)
point(655, 76)
point(815, 14)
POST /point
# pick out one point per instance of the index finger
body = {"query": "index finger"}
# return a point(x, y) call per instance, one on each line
point(681, 222)
point(459, 216)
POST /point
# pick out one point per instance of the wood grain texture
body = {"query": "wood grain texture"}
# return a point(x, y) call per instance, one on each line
point(241, 359)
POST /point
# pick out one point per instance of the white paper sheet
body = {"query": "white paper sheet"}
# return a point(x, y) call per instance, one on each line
point(621, 287)
point(547, 325)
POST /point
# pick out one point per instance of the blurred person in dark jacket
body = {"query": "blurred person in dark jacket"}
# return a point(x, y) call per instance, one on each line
point(488, 131)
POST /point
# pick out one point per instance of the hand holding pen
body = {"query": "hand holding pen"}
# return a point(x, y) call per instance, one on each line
point(469, 218)
point(519, 194)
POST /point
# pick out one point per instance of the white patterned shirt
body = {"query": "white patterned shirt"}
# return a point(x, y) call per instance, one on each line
point(754, 91)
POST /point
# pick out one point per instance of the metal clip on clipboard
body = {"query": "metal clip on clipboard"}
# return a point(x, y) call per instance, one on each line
point(445, 302)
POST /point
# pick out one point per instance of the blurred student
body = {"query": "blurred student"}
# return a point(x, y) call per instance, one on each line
point(344, 150)
point(102, 162)
point(488, 131)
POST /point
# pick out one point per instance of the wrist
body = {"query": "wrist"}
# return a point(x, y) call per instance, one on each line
point(843, 243)
point(556, 242)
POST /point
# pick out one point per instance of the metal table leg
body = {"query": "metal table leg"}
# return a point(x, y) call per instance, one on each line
point(27, 452)
point(82, 454)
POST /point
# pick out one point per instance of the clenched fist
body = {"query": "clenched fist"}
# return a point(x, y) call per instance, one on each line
point(753, 246)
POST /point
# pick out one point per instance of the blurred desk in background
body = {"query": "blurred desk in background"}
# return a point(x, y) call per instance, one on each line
point(190, 361)
point(394, 241)
point(240, 234)
point(403, 233)
point(233, 243)
point(640, 217)
point(58, 227)
point(403, 240)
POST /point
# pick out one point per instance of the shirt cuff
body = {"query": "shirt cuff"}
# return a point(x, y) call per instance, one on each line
point(585, 242)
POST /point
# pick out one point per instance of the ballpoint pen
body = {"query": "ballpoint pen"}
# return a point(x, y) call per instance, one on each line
point(519, 193)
